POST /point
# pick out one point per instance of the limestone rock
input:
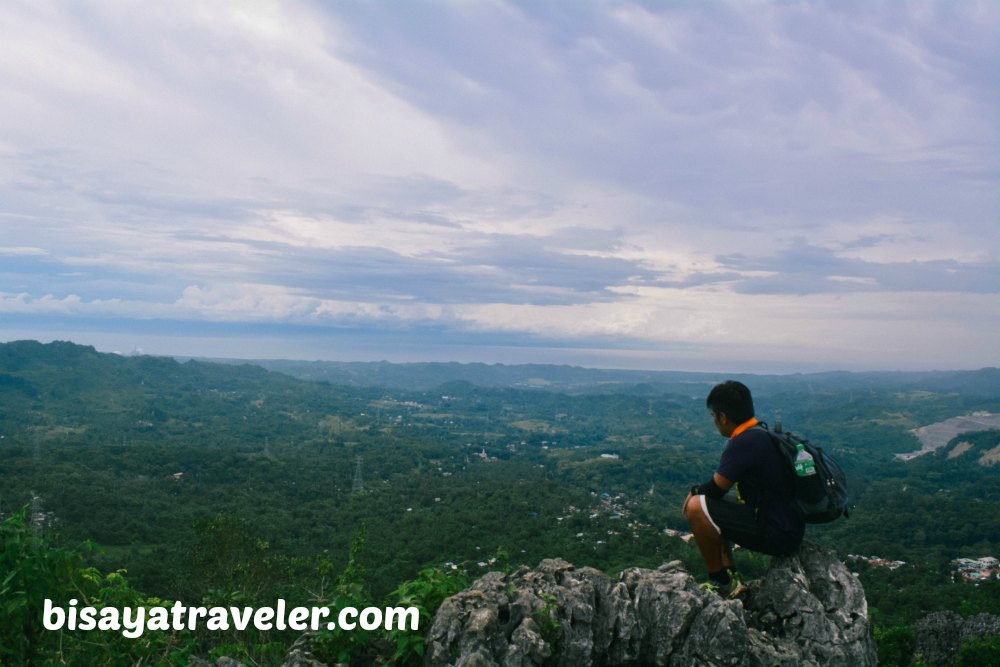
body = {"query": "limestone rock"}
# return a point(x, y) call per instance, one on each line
point(808, 610)
point(817, 603)
point(221, 662)
point(300, 655)
point(941, 634)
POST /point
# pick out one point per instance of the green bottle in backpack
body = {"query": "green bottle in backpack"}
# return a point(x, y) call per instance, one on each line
point(805, 466)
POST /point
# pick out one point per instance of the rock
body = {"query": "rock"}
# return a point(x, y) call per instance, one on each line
point(808, 610)
point(941, 634)
point(221, 662)
point(814, 600)
point(228, 662)
point(300, 655)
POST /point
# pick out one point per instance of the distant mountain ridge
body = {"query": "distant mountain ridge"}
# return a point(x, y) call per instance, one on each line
point(424, 376)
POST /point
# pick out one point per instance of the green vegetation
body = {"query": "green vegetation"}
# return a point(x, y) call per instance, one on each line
point(32, 570)
point(220, 483)
point(979, 652)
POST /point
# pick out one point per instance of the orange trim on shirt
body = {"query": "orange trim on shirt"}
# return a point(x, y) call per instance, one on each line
point(750, 423)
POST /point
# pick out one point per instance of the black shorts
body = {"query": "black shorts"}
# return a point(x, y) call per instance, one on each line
point(739, 523)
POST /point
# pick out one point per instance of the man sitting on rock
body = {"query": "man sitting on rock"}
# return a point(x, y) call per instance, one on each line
point(760, 518)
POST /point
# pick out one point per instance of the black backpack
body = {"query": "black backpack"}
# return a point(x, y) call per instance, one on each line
point(819, 498)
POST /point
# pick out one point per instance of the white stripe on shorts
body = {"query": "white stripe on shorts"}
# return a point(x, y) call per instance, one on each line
point(704, 508)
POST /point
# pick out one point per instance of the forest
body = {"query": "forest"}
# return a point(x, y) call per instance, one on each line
point(139, 478)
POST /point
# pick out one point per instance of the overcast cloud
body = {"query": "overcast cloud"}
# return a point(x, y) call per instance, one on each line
point(727, 186)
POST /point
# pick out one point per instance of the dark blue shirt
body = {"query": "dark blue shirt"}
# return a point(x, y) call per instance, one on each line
point(763, 480)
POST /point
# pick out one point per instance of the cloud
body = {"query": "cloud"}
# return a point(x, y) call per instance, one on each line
point(22, 251)
point(647, 99)
point(808, 269)
point(596, 173)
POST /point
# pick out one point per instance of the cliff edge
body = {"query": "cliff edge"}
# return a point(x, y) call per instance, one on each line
point(807, 610)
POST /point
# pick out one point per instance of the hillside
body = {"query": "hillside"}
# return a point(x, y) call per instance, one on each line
point(201, 478)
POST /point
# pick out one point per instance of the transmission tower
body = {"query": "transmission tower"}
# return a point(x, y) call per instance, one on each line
point(37, 515)
point(358, 485)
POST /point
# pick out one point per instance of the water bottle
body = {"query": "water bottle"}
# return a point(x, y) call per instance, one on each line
point(804, 464)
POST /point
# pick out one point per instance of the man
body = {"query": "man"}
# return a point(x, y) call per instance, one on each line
point(761, 517)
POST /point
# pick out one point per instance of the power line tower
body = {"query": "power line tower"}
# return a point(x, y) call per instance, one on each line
point(37, 515)
point(358, 485)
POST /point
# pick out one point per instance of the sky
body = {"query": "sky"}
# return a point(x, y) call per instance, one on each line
point(724, 186)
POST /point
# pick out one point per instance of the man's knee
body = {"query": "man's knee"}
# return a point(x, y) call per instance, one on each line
point(692, 505)
point(694, 511)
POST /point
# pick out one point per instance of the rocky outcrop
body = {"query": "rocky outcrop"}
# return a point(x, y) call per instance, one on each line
point(808, 610)
point(941, 634)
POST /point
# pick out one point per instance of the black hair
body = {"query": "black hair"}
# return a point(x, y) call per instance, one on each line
point(731, 398)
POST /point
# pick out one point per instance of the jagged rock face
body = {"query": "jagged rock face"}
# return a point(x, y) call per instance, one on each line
point(941, 634)
point(808, 610)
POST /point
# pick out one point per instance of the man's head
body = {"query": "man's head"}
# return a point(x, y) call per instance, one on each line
point(731, 404)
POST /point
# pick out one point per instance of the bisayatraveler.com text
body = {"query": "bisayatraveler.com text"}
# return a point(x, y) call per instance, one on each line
point(133, 621)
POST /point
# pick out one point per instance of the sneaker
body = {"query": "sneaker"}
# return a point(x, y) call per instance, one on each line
point(711, 587)
point(738, 589)
point(724, 591)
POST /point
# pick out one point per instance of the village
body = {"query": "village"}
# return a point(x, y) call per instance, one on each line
point(974, 570)
point(963, 570)
point(876, 561)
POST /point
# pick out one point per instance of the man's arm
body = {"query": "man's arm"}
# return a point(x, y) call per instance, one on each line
point(722, 482)
point(714, 488)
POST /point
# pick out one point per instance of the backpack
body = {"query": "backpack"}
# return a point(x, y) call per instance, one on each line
point(819, 498)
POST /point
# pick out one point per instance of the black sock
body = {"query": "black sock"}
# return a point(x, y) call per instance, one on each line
point(720, 577)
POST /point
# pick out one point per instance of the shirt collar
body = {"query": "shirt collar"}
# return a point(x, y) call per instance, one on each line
point(750, 423)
